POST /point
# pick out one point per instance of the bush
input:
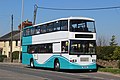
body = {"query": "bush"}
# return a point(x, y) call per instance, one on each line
point(105, 52)
point(15, 55)
point(116, 54)
point(2, 57)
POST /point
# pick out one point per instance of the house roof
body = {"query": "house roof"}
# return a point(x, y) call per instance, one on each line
point(7, 37)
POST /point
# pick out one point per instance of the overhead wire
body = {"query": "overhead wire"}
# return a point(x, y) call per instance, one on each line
point(84, 9)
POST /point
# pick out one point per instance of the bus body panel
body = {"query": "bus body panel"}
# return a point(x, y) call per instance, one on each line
point(50, 37)
point(25, 55)
point(27, 40)
point(64, 60)
point(47, 60)
point(26, 58)
point(24, 48)
point(57, 37)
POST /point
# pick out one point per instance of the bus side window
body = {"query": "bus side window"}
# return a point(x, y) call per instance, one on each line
point(24, 32)
point(32, 31)
point(64, 25)
point(50, 27)
point(57, 26)
point(27, 32)
point(37, 49)
point(49, 48)
point(37, 30)
point(31, 49)
point(64, 46)
point(43, 28)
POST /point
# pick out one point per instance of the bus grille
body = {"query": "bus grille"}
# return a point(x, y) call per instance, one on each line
point(84, 59)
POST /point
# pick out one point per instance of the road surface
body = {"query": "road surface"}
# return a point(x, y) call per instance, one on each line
point(10, 71)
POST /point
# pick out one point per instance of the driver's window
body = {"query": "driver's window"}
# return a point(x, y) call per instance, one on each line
point(64, 46)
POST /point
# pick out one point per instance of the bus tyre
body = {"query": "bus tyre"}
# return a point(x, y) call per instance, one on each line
point(56, 65)
point(31, 63)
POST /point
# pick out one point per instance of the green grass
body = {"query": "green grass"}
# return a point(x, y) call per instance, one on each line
point(111, 70)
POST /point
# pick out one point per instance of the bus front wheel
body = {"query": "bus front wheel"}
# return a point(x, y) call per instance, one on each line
point(56, 65)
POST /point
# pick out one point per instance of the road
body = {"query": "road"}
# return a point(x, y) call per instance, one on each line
point(21, 72)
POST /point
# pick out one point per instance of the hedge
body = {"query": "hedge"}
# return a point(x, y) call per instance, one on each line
point(2, 57)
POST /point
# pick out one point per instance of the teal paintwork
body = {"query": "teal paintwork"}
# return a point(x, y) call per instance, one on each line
point(27, 40)
point(26, 58)
point(24, 48)
point(64, 63)
point(28, 27)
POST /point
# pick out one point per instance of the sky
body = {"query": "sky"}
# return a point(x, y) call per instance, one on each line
point(107, 21)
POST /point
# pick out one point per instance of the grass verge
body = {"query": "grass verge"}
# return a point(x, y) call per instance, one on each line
point(111, 70)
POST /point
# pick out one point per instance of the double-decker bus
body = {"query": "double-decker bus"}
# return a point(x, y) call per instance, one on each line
point(65, 43)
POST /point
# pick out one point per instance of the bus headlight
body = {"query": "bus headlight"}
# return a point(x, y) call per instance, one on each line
point(94, 60)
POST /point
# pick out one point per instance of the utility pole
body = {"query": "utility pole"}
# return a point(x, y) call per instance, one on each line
point(11, 57)
point(35, 12)
point(22, 11)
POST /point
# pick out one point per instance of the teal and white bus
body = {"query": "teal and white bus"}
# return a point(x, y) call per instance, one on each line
point(65, 43)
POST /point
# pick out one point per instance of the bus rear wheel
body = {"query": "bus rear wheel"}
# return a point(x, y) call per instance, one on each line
point(32, 63)
point(56, 65)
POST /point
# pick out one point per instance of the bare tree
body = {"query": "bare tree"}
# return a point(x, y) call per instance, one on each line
point(102, 41)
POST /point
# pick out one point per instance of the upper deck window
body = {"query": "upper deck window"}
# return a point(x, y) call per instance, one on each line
point(57, 26)
point(32, 31)
point(61, 25)
point(64, 25)
point(37, 30)
point(82, 26)
point(50, 27)
point(43, 28)
point(27, 32)
point(24, 32)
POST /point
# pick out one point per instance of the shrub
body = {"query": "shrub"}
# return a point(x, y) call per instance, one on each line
point(116, 54)
point(105, 52)
point(15, 55)
point(2, 57)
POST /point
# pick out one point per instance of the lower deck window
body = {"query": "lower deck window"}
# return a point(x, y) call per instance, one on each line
point(40, 48)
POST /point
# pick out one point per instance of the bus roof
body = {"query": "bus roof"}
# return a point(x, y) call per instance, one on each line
point(69, 18)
